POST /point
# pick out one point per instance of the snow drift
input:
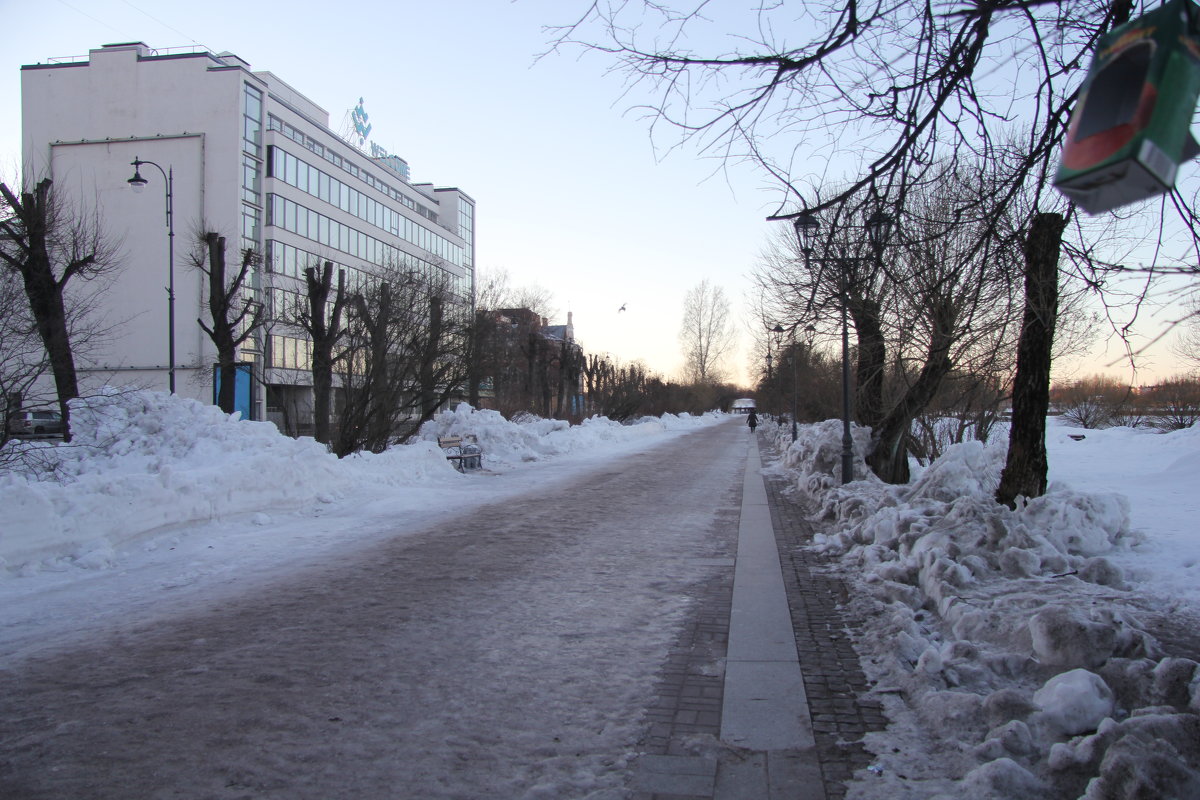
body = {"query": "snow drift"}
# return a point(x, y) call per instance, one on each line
point(143, 462)
point(1010, 644)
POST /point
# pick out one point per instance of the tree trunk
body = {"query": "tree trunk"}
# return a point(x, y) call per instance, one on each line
point(46, 302)
point(564, 367)
point(221, 332)
point(429, 393)
point(872, 354)
point(889, 441)
point(324, 333)
point(1024, 472)
point(480, 335)
point(378, 416)
point(889, 453)
point(546, 389)
point(322, 374)
point(528, 401)
point(33, 232)
point(226, 396)
point(222, 296)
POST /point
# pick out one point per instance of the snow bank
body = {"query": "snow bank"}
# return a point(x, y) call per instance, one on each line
point(142, 462)
point(1015, 637)
point(531, 438)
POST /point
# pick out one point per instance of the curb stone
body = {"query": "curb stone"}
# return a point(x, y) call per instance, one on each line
point(681, 748)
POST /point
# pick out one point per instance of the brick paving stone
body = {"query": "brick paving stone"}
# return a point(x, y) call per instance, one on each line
point(689, 697)
point(690, 686)
point(833, 677)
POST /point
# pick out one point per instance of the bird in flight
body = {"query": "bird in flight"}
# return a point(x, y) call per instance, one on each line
point(622, 308)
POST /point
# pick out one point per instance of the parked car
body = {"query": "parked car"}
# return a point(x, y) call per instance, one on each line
point(35, 423)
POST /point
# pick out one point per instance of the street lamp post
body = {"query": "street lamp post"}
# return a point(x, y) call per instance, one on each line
point(137, 183)
point(878, 227)
point(778, 331)
point(768, 362)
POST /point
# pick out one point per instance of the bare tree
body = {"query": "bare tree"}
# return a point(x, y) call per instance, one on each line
point(1025, 468)
point(48, 244)
point(1176, 403)
point(954, 282)
point(706, 333)
point(22, 356)
point(896, 86)
point(615, 390)
point(901, 89)
point(570, 370)
point(939, 297)
point(491, 290)
point(802, 377)
point(234, 317)
point(1188, 345)
point(803, 289)
point(494, 289)
point(404, 357)
point(323, 323)
point(1093, 402)
point(968, 406)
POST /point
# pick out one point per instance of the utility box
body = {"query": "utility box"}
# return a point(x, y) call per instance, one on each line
point(1131, 128)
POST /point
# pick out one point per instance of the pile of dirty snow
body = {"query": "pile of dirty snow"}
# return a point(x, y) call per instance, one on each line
point(1017, 652)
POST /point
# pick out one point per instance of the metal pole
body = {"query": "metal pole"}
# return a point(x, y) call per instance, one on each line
point(138, 182)
point(794, 389)
point(171, 274)
point(847, 441)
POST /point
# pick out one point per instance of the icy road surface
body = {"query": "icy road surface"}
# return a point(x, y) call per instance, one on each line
point(507, 653)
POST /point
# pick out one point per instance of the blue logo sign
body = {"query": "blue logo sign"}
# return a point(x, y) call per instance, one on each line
point(361, 127)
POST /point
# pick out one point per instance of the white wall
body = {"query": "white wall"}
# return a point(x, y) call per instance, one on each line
point(82, 126)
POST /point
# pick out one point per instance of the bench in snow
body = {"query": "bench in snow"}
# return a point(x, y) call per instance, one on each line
point(462, 451)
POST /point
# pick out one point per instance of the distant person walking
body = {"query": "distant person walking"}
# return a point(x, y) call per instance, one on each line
point(752, 421)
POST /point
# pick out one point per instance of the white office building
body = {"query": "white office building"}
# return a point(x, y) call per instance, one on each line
point(244, 154)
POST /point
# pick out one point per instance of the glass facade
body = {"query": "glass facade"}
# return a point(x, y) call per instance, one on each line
point(331, 156)
point(466, 229)
point(322, 174)
point(317, 183)
point(303, 221)
point(284, 259)
point(289, 352)
point(252, 114)
point(251, 228)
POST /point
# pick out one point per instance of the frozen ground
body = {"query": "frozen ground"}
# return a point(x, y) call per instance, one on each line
point(159, 499)
point(1043, 652)
point(500, 640)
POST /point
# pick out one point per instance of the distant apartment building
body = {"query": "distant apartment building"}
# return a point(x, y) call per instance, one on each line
point(244, 155)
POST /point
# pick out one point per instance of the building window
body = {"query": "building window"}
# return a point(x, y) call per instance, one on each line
point(466, 220)
point(309, 179)
point(288, 352)
point(252, 120)
point(292, 216)
point(250, 219)
point(251, 182)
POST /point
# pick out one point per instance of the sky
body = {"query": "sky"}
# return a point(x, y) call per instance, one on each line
point(164, 507)
point(573, 195)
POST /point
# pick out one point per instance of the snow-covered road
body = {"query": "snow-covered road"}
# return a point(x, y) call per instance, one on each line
point(507, 653)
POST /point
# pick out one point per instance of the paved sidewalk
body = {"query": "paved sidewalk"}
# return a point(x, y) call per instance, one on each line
point(833, 679)
point(761, 696)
